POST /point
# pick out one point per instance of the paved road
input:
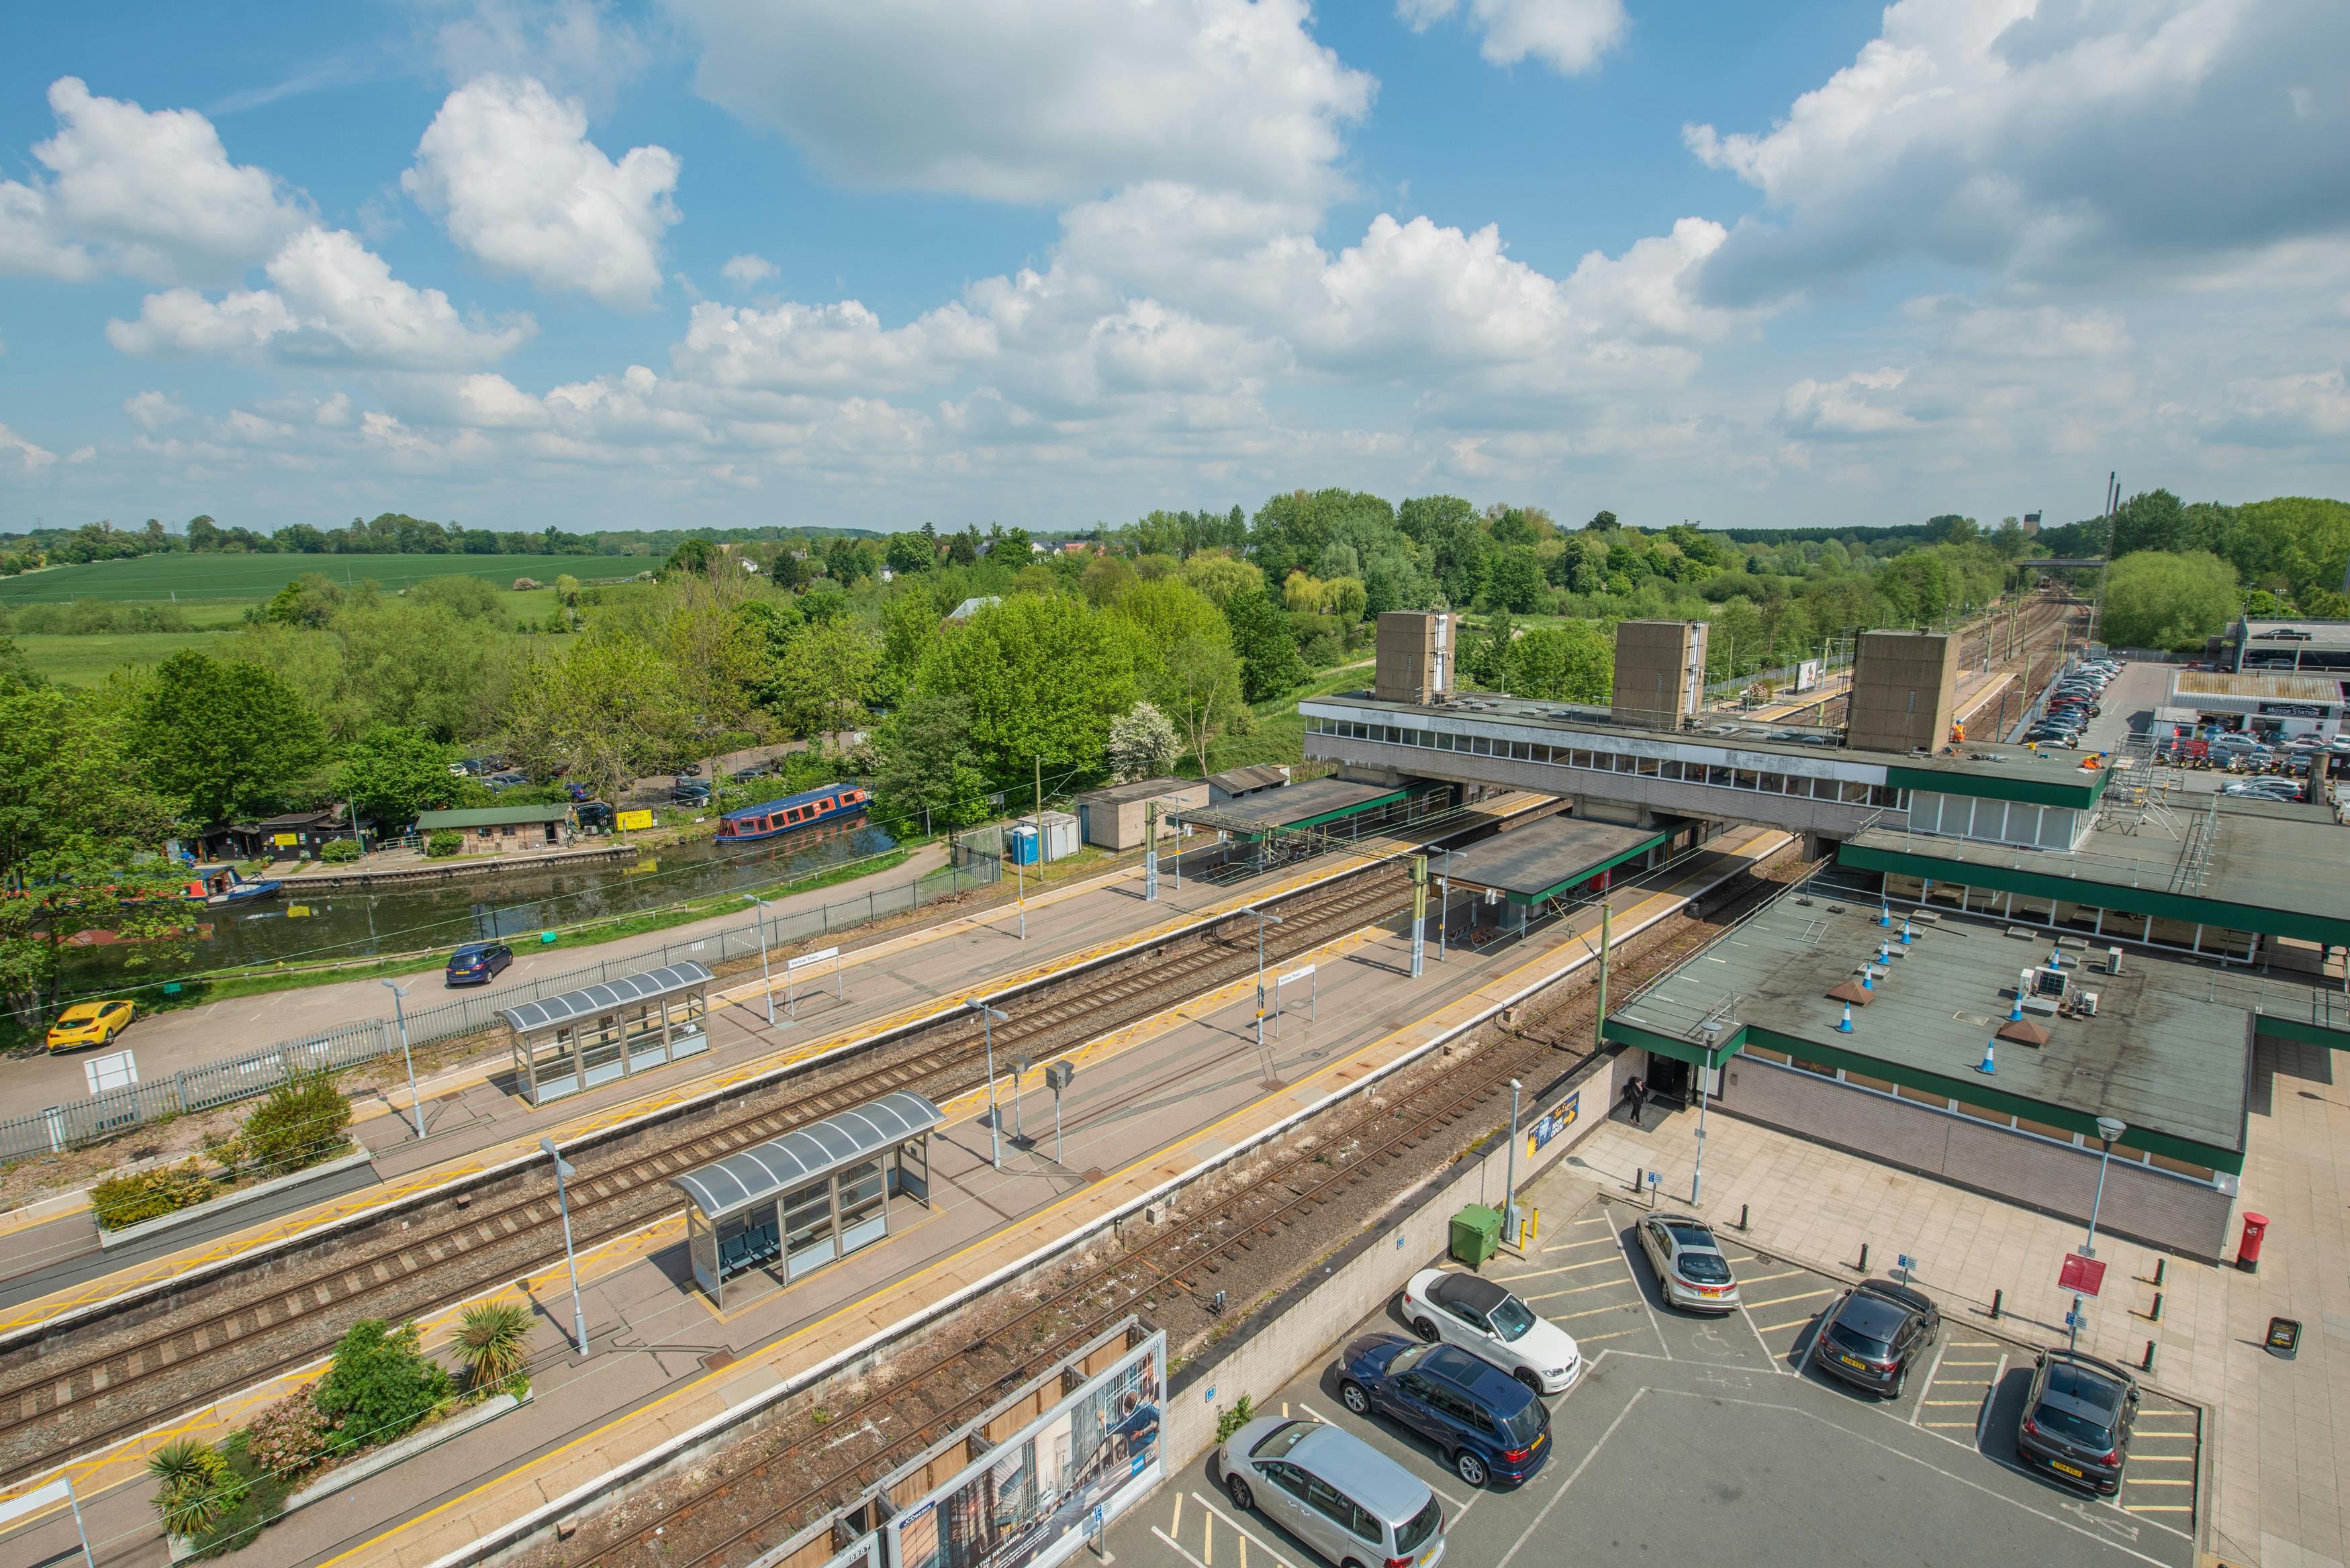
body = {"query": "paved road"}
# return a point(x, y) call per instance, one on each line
point(1696, 1440)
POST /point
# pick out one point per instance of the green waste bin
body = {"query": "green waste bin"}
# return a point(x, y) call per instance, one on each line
point(1476, 1234)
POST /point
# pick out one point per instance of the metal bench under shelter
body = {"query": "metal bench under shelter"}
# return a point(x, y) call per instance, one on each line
point(811, 1197)
point(565, 1043)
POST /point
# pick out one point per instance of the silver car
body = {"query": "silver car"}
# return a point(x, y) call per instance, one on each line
point(1354, 1505)
point(1691, 1269)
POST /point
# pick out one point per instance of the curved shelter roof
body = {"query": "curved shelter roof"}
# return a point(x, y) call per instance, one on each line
point(765, 1170)
point(592, 1001)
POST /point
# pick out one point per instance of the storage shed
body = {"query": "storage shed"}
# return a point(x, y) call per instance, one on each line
point(1113, 818)
point(811, 1197)
point(1236, 783)
point(565, 1043)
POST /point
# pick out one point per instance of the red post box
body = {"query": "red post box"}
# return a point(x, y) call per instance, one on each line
point(2248, 1247)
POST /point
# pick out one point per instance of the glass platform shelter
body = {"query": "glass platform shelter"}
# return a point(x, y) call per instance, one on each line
point(563, 1045)
point(811, 1197)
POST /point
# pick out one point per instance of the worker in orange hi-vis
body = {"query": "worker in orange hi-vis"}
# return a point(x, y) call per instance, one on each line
point(1957, 733)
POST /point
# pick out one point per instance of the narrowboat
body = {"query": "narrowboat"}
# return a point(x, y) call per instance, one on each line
point(219, 885)
point(768, 818)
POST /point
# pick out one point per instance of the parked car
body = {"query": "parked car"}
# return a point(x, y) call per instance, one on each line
point(1691, 1269)
point(1490, 1427)
point(1479, 1314)
point(478, 963)
point(685, 791)
point(89, 1023)
point(1874, 1334)
point(1334, 1491)
point(2076, 1420)
point(507, 780)
point(595, 817)
point(690, 770)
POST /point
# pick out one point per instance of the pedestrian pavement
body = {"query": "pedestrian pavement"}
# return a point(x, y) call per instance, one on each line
point(2278, 1430)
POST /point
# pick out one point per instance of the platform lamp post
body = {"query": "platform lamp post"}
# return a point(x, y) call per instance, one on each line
point(1262, 919)
point(415, 1106)
point(563, 1173)
point(767, 982)
point(2109, 1131)
point(988, 1017)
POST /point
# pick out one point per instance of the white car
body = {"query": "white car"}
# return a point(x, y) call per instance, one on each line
point(1480, 1315)
point(1691, 1269)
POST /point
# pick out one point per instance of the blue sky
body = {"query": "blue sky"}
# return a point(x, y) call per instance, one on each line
point(874, 262)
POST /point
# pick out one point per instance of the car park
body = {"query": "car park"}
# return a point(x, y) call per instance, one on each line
point(477, 963)
point(1874, 1334)
point(687, 792)
point(2077, 1418)
point(1490, 1428)
point(89, 1023)
point(1334, 1491)
point(1691, 1272)
point(1487, 1320)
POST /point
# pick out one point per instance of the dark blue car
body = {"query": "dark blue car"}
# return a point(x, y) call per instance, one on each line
point(477, 963)
point(1490, 1428)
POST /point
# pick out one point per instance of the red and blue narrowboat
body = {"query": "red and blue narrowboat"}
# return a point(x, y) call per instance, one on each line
point(792, 813)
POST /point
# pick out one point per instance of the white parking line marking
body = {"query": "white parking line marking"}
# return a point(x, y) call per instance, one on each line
point(1797, 1323)
point(1931, 1373)
point(1766, 1278)
point(1527, 1534)
point(2150, 1481)
point(1783, 1301)
point(1983, 1419)
point(1662, 1343)
point(1575, 1291)
point(1596, 1338)
point(1270, 1549)
point(1562, 1268)
point(1592, 1312)
point(1178, 1546)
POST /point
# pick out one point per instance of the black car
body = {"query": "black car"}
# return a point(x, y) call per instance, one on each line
point(595, 817)
point(478, 963)
point(2076, 1420)
point(686, 791)
point(1490, 1427)
point(1874, 1334)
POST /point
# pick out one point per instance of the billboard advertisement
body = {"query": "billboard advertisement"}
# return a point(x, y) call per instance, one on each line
point(633, 821)
point(1809, 673)
point(1038, 1497)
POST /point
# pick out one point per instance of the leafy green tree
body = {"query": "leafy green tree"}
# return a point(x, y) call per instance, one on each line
point(927, 769)
point(1293, 530)
point(911, 553)
point(2152, 520)
point(826, 678)
point(1516, 581)
point(607, 706)
point(81, 834)
point(1142, 743)
point(1573, 663)
point(1218, 577)
point(1199, 688)
point(379, 1384)
point(693, 558)
point(230, 739)
point(2157, 599)
point(392, 773)
point(1268, 651)
point(1601, 523)
point(1045, 677)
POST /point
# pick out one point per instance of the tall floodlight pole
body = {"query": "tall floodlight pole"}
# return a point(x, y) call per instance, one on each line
point(988, 1017)
point(563, 1172)
point(415, 1106)
point(767, 981)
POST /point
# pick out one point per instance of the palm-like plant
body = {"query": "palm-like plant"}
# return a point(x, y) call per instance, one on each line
point(197, 1485)
point(494, 1342)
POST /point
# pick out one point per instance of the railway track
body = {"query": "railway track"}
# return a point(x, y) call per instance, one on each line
point(743, 1501)
point(77, 1389)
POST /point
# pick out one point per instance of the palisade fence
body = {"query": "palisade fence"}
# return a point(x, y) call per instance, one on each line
point(108, 1115)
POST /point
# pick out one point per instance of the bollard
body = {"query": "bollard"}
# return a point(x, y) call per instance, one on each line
point(2160, 1264)
point(1742, 1217)
point(2148, 1365)
point(1863, 1265)
point(1996, 1298)
point(1639, 1178)
point(2156, 1316)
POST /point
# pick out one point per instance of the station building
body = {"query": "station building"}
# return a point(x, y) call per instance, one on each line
point(2268, 703)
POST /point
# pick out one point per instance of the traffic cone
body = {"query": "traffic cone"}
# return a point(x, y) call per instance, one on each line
point(1989, 1064)
point(2015, 1013)
point(1905, 930)
point(1844, 1027)
point(1866, 982)
point(1885, 913)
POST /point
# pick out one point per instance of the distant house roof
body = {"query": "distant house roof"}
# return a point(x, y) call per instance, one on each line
point(973, 606)
point(1249, 780)
point(492, 817)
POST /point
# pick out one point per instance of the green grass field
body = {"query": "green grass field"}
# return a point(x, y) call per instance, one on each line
point(199, 580)
point(87, 660)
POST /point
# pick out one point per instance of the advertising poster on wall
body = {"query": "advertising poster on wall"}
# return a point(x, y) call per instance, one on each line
point(1809, 673)
point(1029, 1503)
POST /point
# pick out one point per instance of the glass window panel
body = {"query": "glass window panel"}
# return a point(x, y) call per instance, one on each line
point(1863, 1081)
point(1985, 1114)
point(1939, 1102)
point(1648, 766)
point(2181, 1168)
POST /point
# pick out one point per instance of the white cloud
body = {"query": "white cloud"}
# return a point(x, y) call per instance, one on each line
point(1569, 36)
point(1858, 405)
point(2311, 410)
point(155, 192)
point(803, 347)
point(30, 458)
point(333, 301)
point(748, 271)
point(33, 240)
point(509, 168)
point(150, 411)
point(2068, 139)
point(1035, 100)
point(580, 46)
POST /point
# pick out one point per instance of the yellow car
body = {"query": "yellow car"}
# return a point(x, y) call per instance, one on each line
point(88, 1024)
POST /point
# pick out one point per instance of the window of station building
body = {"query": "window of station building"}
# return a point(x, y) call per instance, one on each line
point(1744, 778)
point(1863, 1081)
point(1984, 1114)
point(1772, 784)
point(1903, 887)
point(1579, 758)
point(2033, 907)
point(1852, 792)
point(2226, 943)
point(2182, 1167)
point(1649, 767)
point(1954, 894)
point(2079, 917)
point(2173, 933)
point(1763, 1053)
point(1718, 776)
point(1671, 769)
point(1522, 752)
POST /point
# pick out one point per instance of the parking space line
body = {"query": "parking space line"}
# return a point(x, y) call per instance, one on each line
point(1270, 1551)
point(1179, 1547)
point(2153, 1480)
point(2156, 1507)
point(1585, 1242)
point(1592, 1312)
point(1982, 1419)
point(1783, 1301)
point(1633, 1269)
point(1775, 1360)
point(1797, 1323)
point(1562, 1268)
point(1766, 1278)
point(1953, 1425)
point(1572, 1291)
point(1931, 1373)
point(1581, 1339)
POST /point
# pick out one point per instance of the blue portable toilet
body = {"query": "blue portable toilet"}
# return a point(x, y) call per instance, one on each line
point(1022, 841)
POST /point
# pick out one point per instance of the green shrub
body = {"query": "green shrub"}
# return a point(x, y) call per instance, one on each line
point(195, 1485)
point(253, 1496)
point(380, 1385)
point(339, 851)
point(494, 1342)
point(300, 1123)
point(443, 842)
point(124, 1200)
point(1242, 1412)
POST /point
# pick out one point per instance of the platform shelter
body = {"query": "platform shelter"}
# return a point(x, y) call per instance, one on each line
point(563, 1045)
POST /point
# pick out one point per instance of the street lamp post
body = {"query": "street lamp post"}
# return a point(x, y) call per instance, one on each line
point(2109, 1130)
point(415, 1106)
point(562, 1172)
point(1509, 1181)
point(767, 982)
point(1262, 920)
point(987, 1021)
point(1443, 903)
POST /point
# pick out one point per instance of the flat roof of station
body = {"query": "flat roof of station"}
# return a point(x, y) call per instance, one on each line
point(1297, 805)
point(2165, 1052)
point(2257, 684)
point(1543, 858)
point(2271, 867)
point(1988, 768)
